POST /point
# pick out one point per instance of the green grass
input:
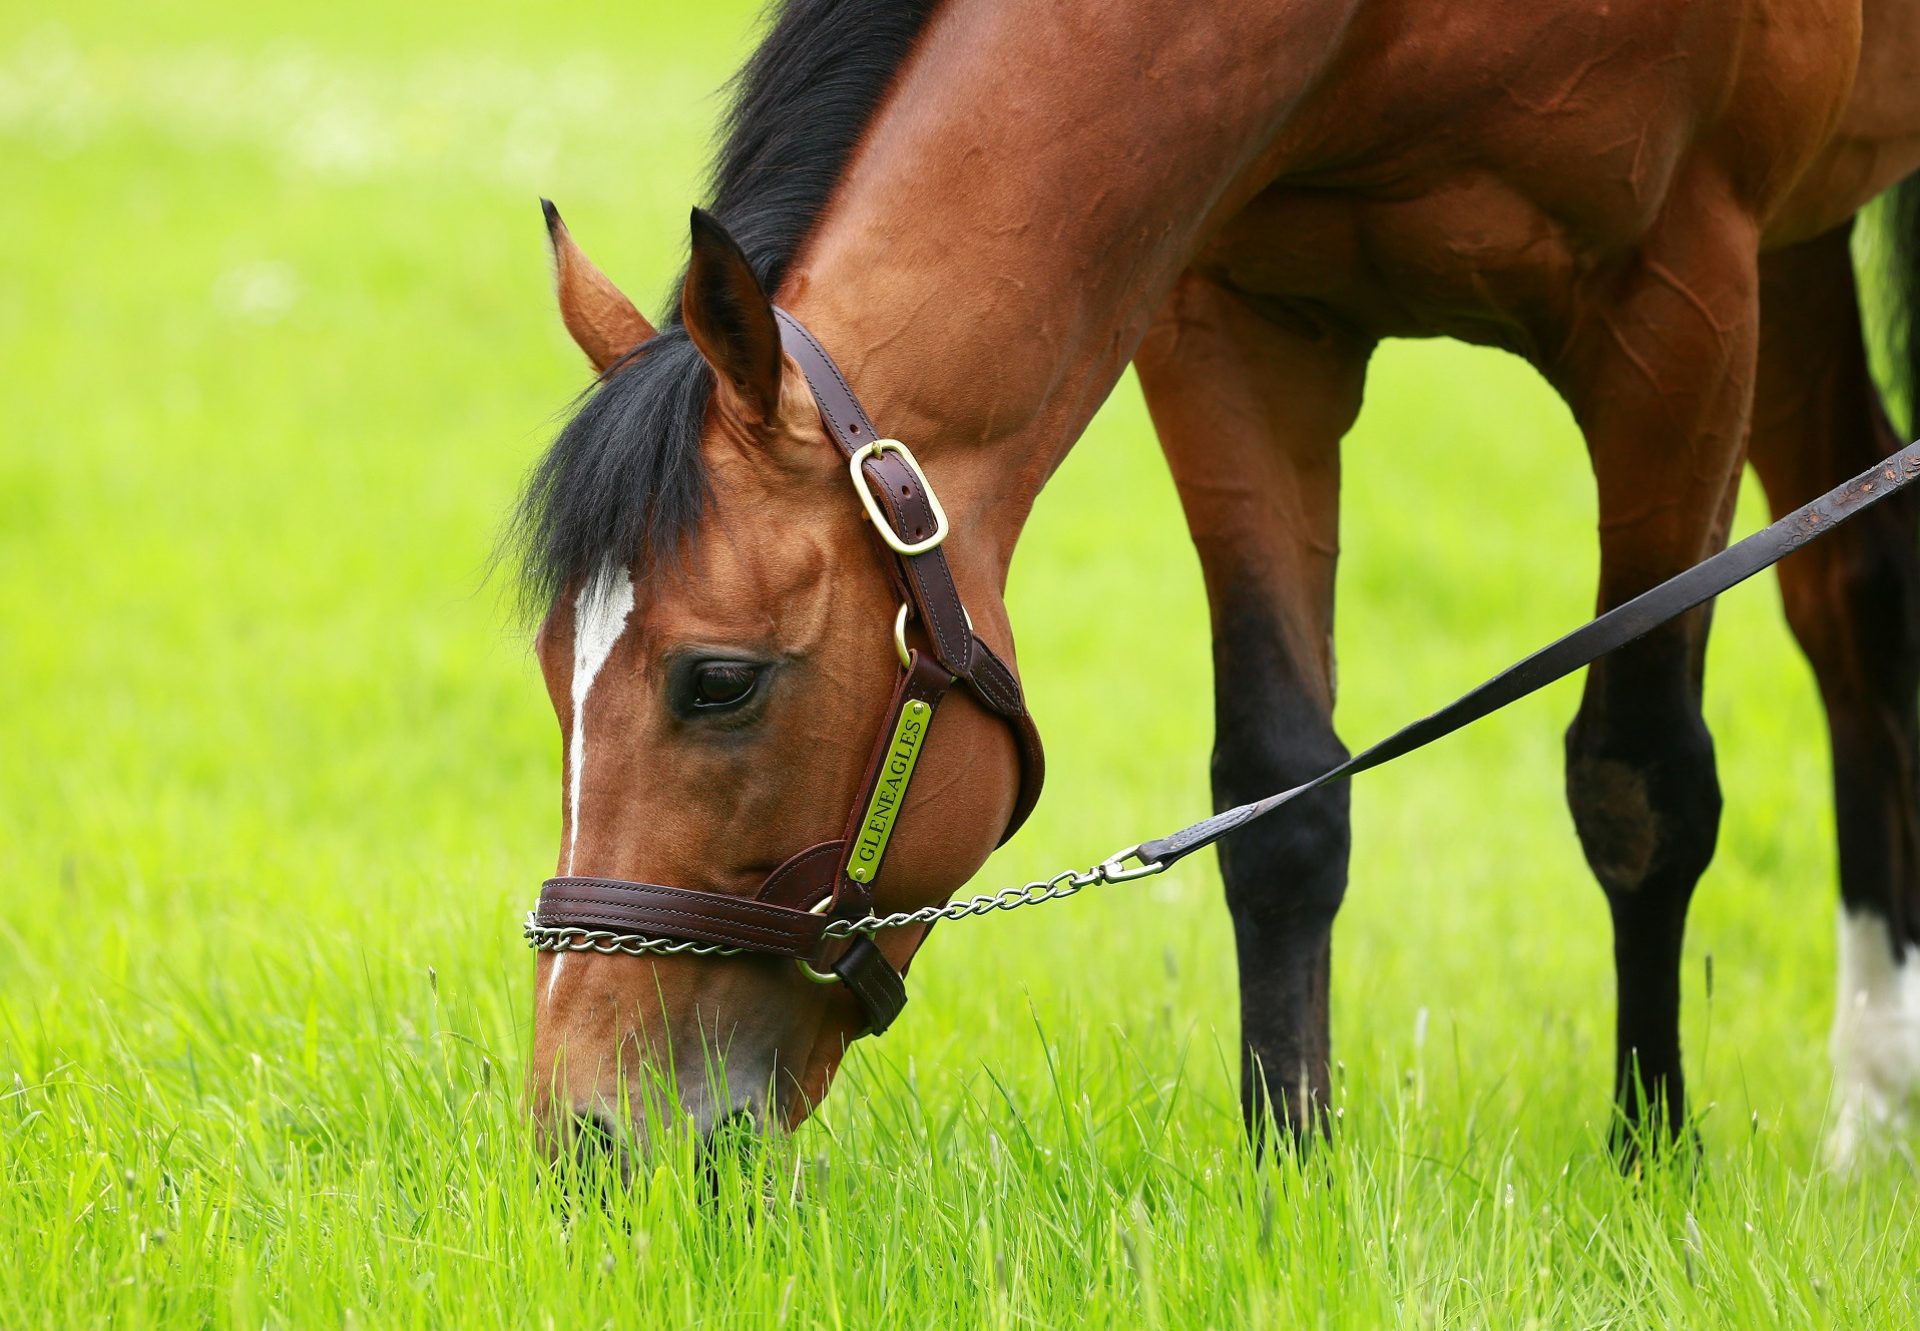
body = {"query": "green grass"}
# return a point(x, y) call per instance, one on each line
point(277, 778)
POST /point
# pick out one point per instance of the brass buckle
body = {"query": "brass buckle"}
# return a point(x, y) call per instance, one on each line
point(900, 637)
point(818, 976)
point(900, 632)
point(874, 448)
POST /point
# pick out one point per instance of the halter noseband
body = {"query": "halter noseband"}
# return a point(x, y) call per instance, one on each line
point(792, 913)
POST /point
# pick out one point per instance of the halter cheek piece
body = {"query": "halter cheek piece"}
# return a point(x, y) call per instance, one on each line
point(791, 913)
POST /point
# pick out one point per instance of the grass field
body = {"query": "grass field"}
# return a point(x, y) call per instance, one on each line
point(278, 778)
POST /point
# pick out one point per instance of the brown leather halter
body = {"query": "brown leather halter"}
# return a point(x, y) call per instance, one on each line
point(834, 880)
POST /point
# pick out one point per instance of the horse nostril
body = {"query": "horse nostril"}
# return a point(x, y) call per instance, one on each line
point(593, 1133)
point(731, 1134)
point(734, 1120)
point(596, 1137)
point(726, 1148)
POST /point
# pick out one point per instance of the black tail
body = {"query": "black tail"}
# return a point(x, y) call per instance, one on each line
point(1900, 246)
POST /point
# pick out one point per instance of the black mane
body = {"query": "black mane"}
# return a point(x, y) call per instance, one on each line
point(624, 479)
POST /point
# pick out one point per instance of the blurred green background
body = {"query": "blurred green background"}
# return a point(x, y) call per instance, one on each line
point(278, 778)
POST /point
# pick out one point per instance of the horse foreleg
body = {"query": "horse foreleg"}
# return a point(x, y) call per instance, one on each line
point(1853, 601)
point(1659, 372)
point(1250, 409)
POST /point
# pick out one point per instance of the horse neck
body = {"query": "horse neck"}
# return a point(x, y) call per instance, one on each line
point(1017, 211)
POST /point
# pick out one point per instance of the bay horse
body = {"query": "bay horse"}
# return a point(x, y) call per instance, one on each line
point(986, 210)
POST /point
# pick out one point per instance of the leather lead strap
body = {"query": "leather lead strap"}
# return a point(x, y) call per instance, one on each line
point(1585, 645)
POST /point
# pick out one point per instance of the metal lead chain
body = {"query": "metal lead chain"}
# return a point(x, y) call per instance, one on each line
point(544, 938)
point(1062, 885)
point(1056, 888)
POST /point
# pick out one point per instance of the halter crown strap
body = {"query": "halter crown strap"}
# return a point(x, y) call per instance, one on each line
point(900, 491)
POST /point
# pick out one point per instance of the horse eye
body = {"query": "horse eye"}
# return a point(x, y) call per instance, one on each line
point(719, 684)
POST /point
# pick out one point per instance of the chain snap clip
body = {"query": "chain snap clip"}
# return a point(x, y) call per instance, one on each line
point(1113, 868)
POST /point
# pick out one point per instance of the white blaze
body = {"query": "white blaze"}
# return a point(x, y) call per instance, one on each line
point(599, 617)
point(1876, 1038)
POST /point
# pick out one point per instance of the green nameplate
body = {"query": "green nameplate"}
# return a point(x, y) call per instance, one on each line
point(889, 792)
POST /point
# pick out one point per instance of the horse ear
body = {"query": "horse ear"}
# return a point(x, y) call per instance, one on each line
point(730, 319)
point(602, 321)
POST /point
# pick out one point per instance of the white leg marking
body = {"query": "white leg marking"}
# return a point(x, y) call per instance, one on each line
point(1876, 1039)
point(599, 618)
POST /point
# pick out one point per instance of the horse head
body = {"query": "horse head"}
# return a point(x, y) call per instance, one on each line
point(719, 647)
